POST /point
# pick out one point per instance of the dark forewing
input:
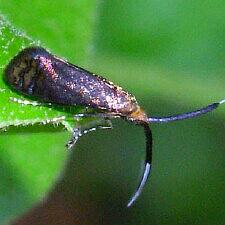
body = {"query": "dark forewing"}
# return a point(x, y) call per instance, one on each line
point(36, 72)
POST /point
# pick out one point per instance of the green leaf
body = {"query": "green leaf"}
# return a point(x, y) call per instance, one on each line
point(31, 158)
point(15, 109)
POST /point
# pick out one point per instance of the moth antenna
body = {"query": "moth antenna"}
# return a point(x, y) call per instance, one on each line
point(187, 115)
point(148, 161)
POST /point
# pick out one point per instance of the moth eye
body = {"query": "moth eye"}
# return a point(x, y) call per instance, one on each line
point(30, 88)
point(20, 82)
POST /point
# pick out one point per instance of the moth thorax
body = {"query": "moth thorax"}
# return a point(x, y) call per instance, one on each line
point(138, 115)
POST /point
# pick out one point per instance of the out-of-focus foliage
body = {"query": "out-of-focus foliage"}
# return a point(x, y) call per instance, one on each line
point(183, 35)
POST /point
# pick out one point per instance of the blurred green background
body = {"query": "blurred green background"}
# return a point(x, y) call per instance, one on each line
point(171, 56)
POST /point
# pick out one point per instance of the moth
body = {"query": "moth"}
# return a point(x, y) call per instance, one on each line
point(35, 72)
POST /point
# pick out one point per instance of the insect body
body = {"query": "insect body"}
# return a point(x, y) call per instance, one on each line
point(36, 72)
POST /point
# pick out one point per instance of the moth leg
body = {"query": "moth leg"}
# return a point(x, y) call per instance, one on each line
point(25, 102)
point(97, 115)
point(77, 132)
point(82, 130)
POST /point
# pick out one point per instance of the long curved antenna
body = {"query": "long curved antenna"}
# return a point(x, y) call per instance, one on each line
point(187, 115)
point(148, 161)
